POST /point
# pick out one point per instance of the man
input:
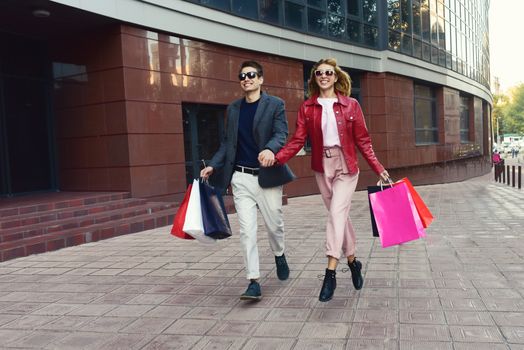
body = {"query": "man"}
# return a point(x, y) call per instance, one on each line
point(256, 130)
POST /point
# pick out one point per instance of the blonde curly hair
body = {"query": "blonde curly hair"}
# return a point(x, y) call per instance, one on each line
point(342, 85)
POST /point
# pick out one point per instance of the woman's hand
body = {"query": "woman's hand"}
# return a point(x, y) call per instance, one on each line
point(266, 158)
point(384, 176)
point(206, 172)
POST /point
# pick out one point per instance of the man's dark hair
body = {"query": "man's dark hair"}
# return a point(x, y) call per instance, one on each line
point(252, 64)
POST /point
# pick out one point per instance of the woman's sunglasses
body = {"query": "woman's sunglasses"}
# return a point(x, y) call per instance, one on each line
point(249, 75)
point(327, 72)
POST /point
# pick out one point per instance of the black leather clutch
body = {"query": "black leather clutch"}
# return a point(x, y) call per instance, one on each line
point(276, 175)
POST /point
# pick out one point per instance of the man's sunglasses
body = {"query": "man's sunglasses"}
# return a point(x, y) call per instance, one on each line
point(327, 72)
point(249, 75)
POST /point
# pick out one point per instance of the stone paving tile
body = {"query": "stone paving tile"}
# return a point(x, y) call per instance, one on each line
point(79, 340)
point(29, 322)
point(38, 339)
point(420, 332)
point(327, 330)
point(481, 346)
point(167, 311)
point(469, 318)
point(452, 290)
point(479, 334)
point(373, 331)
point(229, 343)
point(422, 317)
point(513, 334)
point(71, 323)
point(126, 341)
point(425, 345)
point(315, 344)
point(232, 328)
point(270, 329)
point(268, 344)
point(368, 344)
point(145, 325)
point(8, 336)
point(288, 315)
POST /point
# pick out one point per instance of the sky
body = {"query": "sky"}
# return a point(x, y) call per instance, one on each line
point(506, 26)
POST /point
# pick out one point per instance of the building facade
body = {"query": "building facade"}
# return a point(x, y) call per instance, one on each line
point(129, 95)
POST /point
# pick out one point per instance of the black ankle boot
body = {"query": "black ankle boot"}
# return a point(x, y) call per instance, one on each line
point(356, 266)
point(329, 286)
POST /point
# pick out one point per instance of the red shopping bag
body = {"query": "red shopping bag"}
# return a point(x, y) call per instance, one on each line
point(396, 216)
point(425, 215)
point(180, 216)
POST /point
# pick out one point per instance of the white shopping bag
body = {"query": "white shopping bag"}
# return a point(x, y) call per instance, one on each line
point(193, 224)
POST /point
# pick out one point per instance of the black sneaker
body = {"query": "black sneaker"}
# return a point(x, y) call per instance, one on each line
point(356, 275)
point(252, 292)
point(282, 268)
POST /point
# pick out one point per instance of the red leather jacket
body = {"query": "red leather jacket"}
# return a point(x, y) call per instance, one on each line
point(352, 133)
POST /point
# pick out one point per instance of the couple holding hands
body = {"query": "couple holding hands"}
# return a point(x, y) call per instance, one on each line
point(255, 139)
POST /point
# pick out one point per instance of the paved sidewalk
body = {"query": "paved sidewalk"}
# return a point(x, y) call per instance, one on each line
point(461, 288)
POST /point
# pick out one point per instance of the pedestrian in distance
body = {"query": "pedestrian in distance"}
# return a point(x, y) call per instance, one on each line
point(335, 126)
point(256, 130)
point(495, 158)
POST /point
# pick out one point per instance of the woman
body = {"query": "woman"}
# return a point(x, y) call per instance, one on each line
point(335, 125)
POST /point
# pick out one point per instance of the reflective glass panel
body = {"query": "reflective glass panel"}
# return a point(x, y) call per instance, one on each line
point(369, 11)
point(316, 21)
point(354, 7)
point(294, 15)
point(270, 10)
point(247, 8)
point(336, 25)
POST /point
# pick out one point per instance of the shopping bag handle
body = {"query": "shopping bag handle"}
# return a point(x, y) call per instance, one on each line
point(381, 183)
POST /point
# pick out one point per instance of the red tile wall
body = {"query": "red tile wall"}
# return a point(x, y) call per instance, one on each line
point(119, 124)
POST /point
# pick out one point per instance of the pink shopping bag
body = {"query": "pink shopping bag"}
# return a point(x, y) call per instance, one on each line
point(396, 215)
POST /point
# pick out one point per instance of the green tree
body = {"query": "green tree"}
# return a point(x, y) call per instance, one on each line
point(513, 113)
point(500, 103)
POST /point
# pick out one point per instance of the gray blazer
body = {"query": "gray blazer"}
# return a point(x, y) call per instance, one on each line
point(269, 132)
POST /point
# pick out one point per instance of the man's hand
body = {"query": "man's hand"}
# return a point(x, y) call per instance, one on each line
point(206, 172)
point(266, 158)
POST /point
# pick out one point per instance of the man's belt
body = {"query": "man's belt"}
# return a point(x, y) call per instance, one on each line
point(247, 170)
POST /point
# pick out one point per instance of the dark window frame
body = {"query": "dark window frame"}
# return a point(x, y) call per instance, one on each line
point(432, 100)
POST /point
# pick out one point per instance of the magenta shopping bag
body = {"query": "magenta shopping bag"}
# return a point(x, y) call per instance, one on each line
point(396, 215)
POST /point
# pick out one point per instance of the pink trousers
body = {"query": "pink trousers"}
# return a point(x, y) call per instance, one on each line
point(337, 186)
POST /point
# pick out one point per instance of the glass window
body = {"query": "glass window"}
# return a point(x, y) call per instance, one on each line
point(336, 25)
point(406, 44)
point(369, 11)
point(417, 48)
point(464, 119)
point(426, 28)
point(246, 8)
point(354, 31)
point(405, 14)
point(426, 52)
point(221, 4)
point(394, 14)
point(370, 35)
point(434, 54)
point(336, 6)
point(317, 3)
point(294, 15)
point(426, 127)
point(394, 41)
point(416, 19)
point(354, 7)
point(316, 21)
point(270, 10)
